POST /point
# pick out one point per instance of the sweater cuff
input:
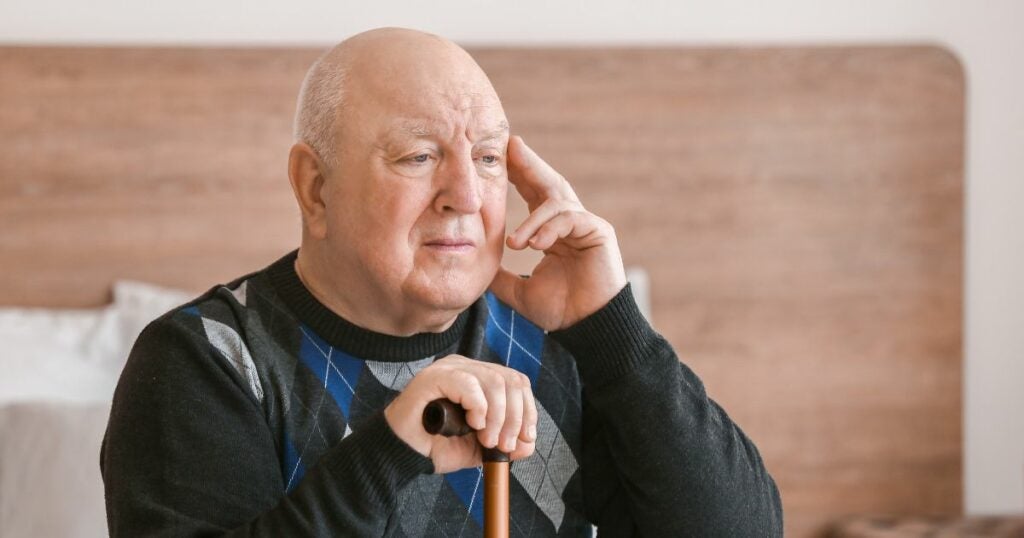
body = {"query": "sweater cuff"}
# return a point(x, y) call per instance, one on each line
point(375, 457)
point(611, 342)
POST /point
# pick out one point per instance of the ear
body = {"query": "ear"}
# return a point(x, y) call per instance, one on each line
point(307, 173)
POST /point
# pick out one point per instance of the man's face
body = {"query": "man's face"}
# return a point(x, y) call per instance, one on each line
point(416, 203)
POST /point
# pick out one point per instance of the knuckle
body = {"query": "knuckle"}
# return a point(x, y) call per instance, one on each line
point(496, 380)
point(516, 379)
point(569, 206)
point(496, 403)
point(462, 375)
point(466, 386)
point(512, 426)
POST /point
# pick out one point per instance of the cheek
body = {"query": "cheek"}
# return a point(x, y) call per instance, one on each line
point(493, 215)
point(388, 211)
point(494, 206)
point(394, 229)
point(374, 225)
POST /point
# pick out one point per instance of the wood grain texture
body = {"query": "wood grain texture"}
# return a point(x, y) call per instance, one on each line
point(799, 211)
point(165, 165)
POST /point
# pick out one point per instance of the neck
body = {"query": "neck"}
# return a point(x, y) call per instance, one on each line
point(401, 321)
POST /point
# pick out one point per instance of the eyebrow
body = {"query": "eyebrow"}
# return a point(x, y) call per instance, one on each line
point(501, 129)
point(421, 129)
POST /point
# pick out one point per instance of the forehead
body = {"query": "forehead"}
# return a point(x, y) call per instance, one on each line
point(421, 102)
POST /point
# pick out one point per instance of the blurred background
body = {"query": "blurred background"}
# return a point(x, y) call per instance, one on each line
point(823, 199)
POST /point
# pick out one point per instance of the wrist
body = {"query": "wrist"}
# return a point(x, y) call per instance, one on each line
point(610, 342)
point(408, 426)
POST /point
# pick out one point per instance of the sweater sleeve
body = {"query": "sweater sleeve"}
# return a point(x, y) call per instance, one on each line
point(188, 452)
point(660, 458)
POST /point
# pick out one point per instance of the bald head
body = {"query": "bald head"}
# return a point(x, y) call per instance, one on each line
point(399, 169)
point(389, 66)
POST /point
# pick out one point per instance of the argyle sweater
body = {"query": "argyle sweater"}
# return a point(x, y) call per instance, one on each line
point(254, 410)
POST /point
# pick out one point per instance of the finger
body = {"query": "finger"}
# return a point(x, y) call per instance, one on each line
point(579, 229)
point(494, 389)
point(523, 449)
point(545, 212)
point(533, 177)
point(464, 388)
point(513, 412)
point(506, 287)
point(562, 225)
point(528, 432)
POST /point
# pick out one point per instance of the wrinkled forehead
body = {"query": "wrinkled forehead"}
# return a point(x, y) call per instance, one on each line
point(438, 103)
point(409, 111)
point(431, 87)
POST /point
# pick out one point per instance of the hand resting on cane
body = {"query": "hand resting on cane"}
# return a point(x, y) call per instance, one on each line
point(499, 405)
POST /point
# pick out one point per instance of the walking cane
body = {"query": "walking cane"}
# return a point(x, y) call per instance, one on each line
point(445, 417)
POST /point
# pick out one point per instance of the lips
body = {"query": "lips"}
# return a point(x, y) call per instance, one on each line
point(450, 245)
point(452, 242)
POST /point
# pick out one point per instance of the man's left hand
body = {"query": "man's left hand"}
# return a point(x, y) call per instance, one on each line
point(581, 269)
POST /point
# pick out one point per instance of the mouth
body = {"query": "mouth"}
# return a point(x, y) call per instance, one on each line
point(450, 244)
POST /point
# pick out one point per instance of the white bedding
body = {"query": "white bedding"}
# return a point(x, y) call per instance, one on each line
point(58, 369)
point(75, 355)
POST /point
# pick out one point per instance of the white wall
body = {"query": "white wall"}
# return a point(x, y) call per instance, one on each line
point(985, 35)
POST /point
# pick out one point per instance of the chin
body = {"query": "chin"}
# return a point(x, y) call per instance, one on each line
point(459, 298)
point(452, 293)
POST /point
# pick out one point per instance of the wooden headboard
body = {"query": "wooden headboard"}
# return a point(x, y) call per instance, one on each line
point(799, 212)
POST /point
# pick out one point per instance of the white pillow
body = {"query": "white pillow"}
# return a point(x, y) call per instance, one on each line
point(50, 483)
point(76, 355)
point(60, 354)
point(138, 303)
point(59, 368)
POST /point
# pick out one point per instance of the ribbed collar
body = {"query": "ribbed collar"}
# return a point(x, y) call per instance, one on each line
point(352, 339)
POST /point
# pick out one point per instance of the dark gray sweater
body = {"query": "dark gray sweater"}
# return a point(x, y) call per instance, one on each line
point(256, 411)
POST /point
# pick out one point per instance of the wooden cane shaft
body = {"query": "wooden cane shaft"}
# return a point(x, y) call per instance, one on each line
point(444, 417)
point(496, 491)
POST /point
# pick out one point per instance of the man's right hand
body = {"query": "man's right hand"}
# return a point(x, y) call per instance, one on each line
point(498, 402)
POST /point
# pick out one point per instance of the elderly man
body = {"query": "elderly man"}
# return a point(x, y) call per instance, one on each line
point(289, 401)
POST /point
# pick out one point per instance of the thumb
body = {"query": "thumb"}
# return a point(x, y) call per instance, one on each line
point(507, 287)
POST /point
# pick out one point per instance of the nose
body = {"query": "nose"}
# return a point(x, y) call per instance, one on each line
point(459, 186)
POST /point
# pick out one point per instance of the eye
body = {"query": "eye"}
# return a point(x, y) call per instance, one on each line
point(490, 159)
point(421, 158)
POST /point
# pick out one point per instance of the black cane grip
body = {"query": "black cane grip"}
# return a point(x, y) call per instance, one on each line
point(445, 417)
point(495, 454)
